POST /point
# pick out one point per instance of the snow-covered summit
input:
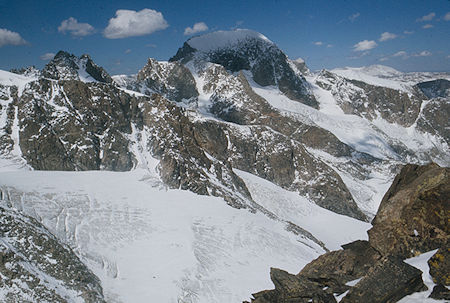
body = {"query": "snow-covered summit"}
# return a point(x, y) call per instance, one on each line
point(385, 76)
point(246, 50)
point(222, 39)
point(377, 70)
point(379, 75)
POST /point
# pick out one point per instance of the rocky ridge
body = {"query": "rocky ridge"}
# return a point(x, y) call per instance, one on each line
point(411, 220)
point(35, 267)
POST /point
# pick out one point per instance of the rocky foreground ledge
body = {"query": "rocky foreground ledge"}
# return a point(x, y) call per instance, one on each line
point(412, 219)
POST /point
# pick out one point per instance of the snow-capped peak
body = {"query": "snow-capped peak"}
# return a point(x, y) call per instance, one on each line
point(379, 71)
point(222, 39)
point(378, 75)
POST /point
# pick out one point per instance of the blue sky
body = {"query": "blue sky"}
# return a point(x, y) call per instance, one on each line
point(407, 35)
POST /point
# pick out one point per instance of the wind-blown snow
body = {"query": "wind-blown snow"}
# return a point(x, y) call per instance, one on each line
point(222, 39)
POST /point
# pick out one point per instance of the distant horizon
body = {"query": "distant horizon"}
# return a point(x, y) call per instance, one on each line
point(409, 36)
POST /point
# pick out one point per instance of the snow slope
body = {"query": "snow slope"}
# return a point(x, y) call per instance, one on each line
point(149, 243)
point(304, 213)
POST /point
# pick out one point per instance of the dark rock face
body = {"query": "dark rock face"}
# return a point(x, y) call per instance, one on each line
point(96, 72)
point(439, 264)
point(388, 281)
point(184, 54)
point(71, 125)
point(411, 216)
point(336, 268)
point(435, 88)
point(184, 163)
point(173, 80)
point(65, 66)
point(440, 292)
point(418, 198)
point(62, 66)
point(435, 117)
point(32, 260)
point(290, 288)
point(279, 159)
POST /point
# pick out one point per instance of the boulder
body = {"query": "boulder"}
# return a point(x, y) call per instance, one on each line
point(388, 281)
point(413, 215)
point(440, 292)
point(439, 265)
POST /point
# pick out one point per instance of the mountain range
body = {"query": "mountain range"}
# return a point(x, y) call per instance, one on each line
point(187, 181)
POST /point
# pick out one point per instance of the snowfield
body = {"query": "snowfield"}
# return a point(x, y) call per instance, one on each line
point(147, 243)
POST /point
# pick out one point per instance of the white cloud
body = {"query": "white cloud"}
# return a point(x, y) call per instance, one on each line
point(129, 23)
point(197, 28)
point(353, 17)
point(364, 45)
point(127, 51)
point(428, 17)
point(424, 53)
point(318, 43)
point(330, 45)
point(151, 45)
point(383, 59)
point(387, 36)
point(72, 26)
point(47, 56)
point(447, 16)
point(427, 26)
point(8, 37)
point(400, 54)
point(408, 32)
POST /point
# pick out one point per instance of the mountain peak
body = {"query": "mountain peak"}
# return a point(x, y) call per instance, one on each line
point(237, 41)
point(223, 39)
point(244, 49)
point(66, 66)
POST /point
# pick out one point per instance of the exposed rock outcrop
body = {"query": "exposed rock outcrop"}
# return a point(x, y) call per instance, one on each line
point(35, 266)
point(65, 66)
point(412, 219)
point(413, 215)
point(172, 80)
